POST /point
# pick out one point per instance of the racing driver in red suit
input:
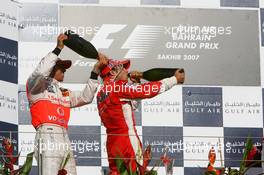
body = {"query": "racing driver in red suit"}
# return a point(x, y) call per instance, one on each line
point(115, 106)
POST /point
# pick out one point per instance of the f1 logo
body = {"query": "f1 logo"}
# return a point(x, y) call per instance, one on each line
point(100, 39)
point(137, 44)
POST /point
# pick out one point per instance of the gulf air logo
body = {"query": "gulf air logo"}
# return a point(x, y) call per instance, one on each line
point(138, 43)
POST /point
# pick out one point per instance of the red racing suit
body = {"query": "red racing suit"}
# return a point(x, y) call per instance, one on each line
point(115, 107)
point(48, 102)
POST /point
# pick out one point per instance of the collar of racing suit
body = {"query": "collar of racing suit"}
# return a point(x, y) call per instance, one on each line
point(54, 81)
point(117, 82)
point(122, 81)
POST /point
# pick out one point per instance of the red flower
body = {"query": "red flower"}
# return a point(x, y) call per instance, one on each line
point(218, 172)
point(146, 160)
point(62, 172)
point(166, 160)
point(212, 156)
point(210, 168)
point(147, 157)
point(251, 155)
point(8, 152)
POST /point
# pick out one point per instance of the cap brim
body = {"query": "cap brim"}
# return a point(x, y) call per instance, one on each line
point(66, 64)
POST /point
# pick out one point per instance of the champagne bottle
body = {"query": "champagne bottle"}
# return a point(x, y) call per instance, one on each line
point(80, 45)
point(157, 74)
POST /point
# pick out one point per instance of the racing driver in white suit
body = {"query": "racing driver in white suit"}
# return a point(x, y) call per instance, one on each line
point(50, 108)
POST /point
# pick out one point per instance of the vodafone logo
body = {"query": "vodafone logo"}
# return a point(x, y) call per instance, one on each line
point(60, 111)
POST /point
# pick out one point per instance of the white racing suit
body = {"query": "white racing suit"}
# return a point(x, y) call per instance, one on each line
point(50, 111)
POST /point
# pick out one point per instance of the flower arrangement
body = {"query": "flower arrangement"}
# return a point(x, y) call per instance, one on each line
point(142, 169)
point(251, 158)
point(8, 160)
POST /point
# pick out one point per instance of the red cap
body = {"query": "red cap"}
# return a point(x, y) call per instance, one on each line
point(112, 63)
